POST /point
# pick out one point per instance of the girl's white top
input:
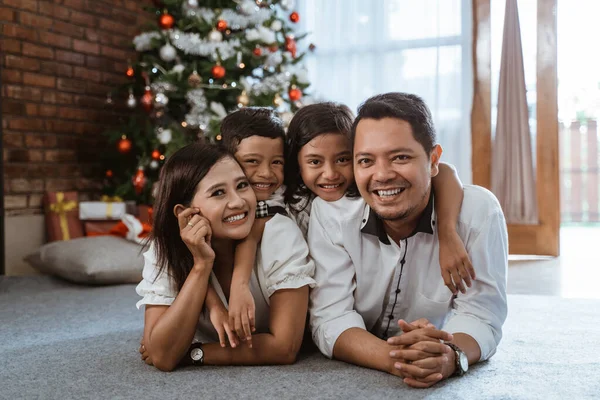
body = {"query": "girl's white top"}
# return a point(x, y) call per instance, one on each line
point(282, 262)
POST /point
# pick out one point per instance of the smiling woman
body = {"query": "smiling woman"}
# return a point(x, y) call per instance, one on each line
point(205, 203)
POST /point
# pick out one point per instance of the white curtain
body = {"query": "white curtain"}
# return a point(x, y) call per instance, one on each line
point(366, 47)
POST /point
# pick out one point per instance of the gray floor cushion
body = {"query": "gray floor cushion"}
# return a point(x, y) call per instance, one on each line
point(64, 341)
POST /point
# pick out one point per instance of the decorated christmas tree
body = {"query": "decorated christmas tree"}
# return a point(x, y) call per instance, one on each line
point(200, 60)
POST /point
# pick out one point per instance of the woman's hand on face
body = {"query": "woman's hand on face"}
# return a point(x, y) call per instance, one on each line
point(196, 234)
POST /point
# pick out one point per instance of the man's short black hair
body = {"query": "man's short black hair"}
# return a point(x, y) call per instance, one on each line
point(247, 122)
point(406, 107)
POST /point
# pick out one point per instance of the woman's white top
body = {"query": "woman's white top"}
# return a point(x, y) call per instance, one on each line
point(282, 262)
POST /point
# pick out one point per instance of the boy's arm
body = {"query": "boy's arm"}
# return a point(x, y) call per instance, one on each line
point(241, 302)
point(219, 317)
point(454, 260)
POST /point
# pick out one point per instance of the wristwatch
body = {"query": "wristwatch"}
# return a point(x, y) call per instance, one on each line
point(196, 354)
point(461, 360)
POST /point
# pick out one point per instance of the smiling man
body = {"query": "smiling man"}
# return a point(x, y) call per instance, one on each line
point(377, 257)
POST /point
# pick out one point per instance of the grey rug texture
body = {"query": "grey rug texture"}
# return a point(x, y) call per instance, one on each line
point(63, 341)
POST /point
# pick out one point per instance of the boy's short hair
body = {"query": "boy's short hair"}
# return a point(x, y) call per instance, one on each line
point(247, 122)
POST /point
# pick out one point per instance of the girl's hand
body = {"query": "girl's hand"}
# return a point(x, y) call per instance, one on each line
point(455, 264)
point(241, 312)
point(220, 320)
point(196, 234)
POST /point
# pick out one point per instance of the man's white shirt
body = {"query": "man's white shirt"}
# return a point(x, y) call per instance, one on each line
point(365, 280)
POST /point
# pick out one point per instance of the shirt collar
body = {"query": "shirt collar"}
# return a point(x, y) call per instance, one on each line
point(373, 225)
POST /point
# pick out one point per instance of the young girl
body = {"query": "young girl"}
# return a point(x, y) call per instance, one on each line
point(319, 164)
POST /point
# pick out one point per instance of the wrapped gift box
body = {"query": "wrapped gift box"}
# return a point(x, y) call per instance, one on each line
point(145, 214)
point(62, 216)
point(98, 228)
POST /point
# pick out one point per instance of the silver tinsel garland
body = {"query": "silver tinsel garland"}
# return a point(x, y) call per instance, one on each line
point(143, 41)
point(192, 43)
point(271, 84)
point(239, 21)
point(197, 115)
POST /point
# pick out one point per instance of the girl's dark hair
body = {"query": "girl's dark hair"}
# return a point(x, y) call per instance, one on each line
point(308, 123)
point(179, 179)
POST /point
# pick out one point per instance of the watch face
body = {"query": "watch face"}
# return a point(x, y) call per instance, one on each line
point(464, 362)
point(196, 354)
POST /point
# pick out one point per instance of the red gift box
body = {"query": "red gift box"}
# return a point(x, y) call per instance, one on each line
point(62, 216)
point(145, 214)
point(98, 228)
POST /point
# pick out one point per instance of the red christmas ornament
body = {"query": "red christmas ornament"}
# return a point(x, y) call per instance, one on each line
point(221, 25)
point(124, 145)
point(109, 173)
point(166, 21)
point(274, 48)
point(130, 72)
point(295, 94)
point(218, 71)
point(290, 45)
point(139, 181)
point(147, 100)
point(257, 51)
point(155, 155)
point(294, 17)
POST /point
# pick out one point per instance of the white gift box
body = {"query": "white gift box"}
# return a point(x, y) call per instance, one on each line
point(101, 210)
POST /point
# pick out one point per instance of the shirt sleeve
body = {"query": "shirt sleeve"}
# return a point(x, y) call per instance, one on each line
point(481, 312)
point(332, 301)
point(285, 258)
point(155, 288)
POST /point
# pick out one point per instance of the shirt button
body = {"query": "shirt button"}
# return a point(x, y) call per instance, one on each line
point(398, 291)
point(260, 203)
point(391, 316)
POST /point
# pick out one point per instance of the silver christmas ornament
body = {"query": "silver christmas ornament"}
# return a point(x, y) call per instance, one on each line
point(215, 36)
point(154, 164)
point(131, 101)
point(161, 100)
point(168, 53)
point(192, 3)
point(276, 25)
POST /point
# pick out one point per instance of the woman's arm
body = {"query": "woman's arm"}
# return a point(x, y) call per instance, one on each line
point(281, 345)
point(169, 330)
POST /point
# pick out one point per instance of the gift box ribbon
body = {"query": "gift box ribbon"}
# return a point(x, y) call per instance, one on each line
point(62, 207)
point(109, 200)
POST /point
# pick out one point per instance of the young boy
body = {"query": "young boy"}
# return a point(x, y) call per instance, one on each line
point(255, 136)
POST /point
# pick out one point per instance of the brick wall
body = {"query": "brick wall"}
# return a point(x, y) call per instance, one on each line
point(60, 58)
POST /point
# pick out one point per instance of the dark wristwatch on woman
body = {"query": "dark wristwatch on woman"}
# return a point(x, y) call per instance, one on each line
point(196, 354)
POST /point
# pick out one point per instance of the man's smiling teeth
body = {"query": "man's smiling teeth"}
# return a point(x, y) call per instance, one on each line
point(234, 218)
point(392, 192)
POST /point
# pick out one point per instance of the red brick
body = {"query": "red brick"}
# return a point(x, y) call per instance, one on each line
point(11, 107)
point(12, 139)
point(36, 140)
point(22, 63)
point(55, 97)
point(92, 35)
point(30, 78)
point(61, 155)
point(20, 155)
point(6, 14)
point(60, 126)
point(98, 7)
point(83, 19)
point(38, 21)
point(48, 111)
point(26, 185)
point(70, 57)
point(20, 32)
point(69, 29)
point(32, 109)
point(30, 5)
point(26, 124)
point(57, 69)
point(86, 47)
point(37, 51)
point(23, 93)
point(132, 5)
point(88, 74)
point(36, 155)
point(11, 45)
point(55, 10)
point(12, 76)
point(89, 101)
point(98, 62)
point(123, 17)
point(74, 113)
point(115, 53)
point(12, 202)
point(70, 85)
point(57, 185)
point(55, 39)
point(76, 4)
point(113, 26)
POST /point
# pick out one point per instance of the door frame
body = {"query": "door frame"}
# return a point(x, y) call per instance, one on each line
point(543, 238)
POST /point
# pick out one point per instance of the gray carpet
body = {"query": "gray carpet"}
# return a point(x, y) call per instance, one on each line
point(62, 341)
